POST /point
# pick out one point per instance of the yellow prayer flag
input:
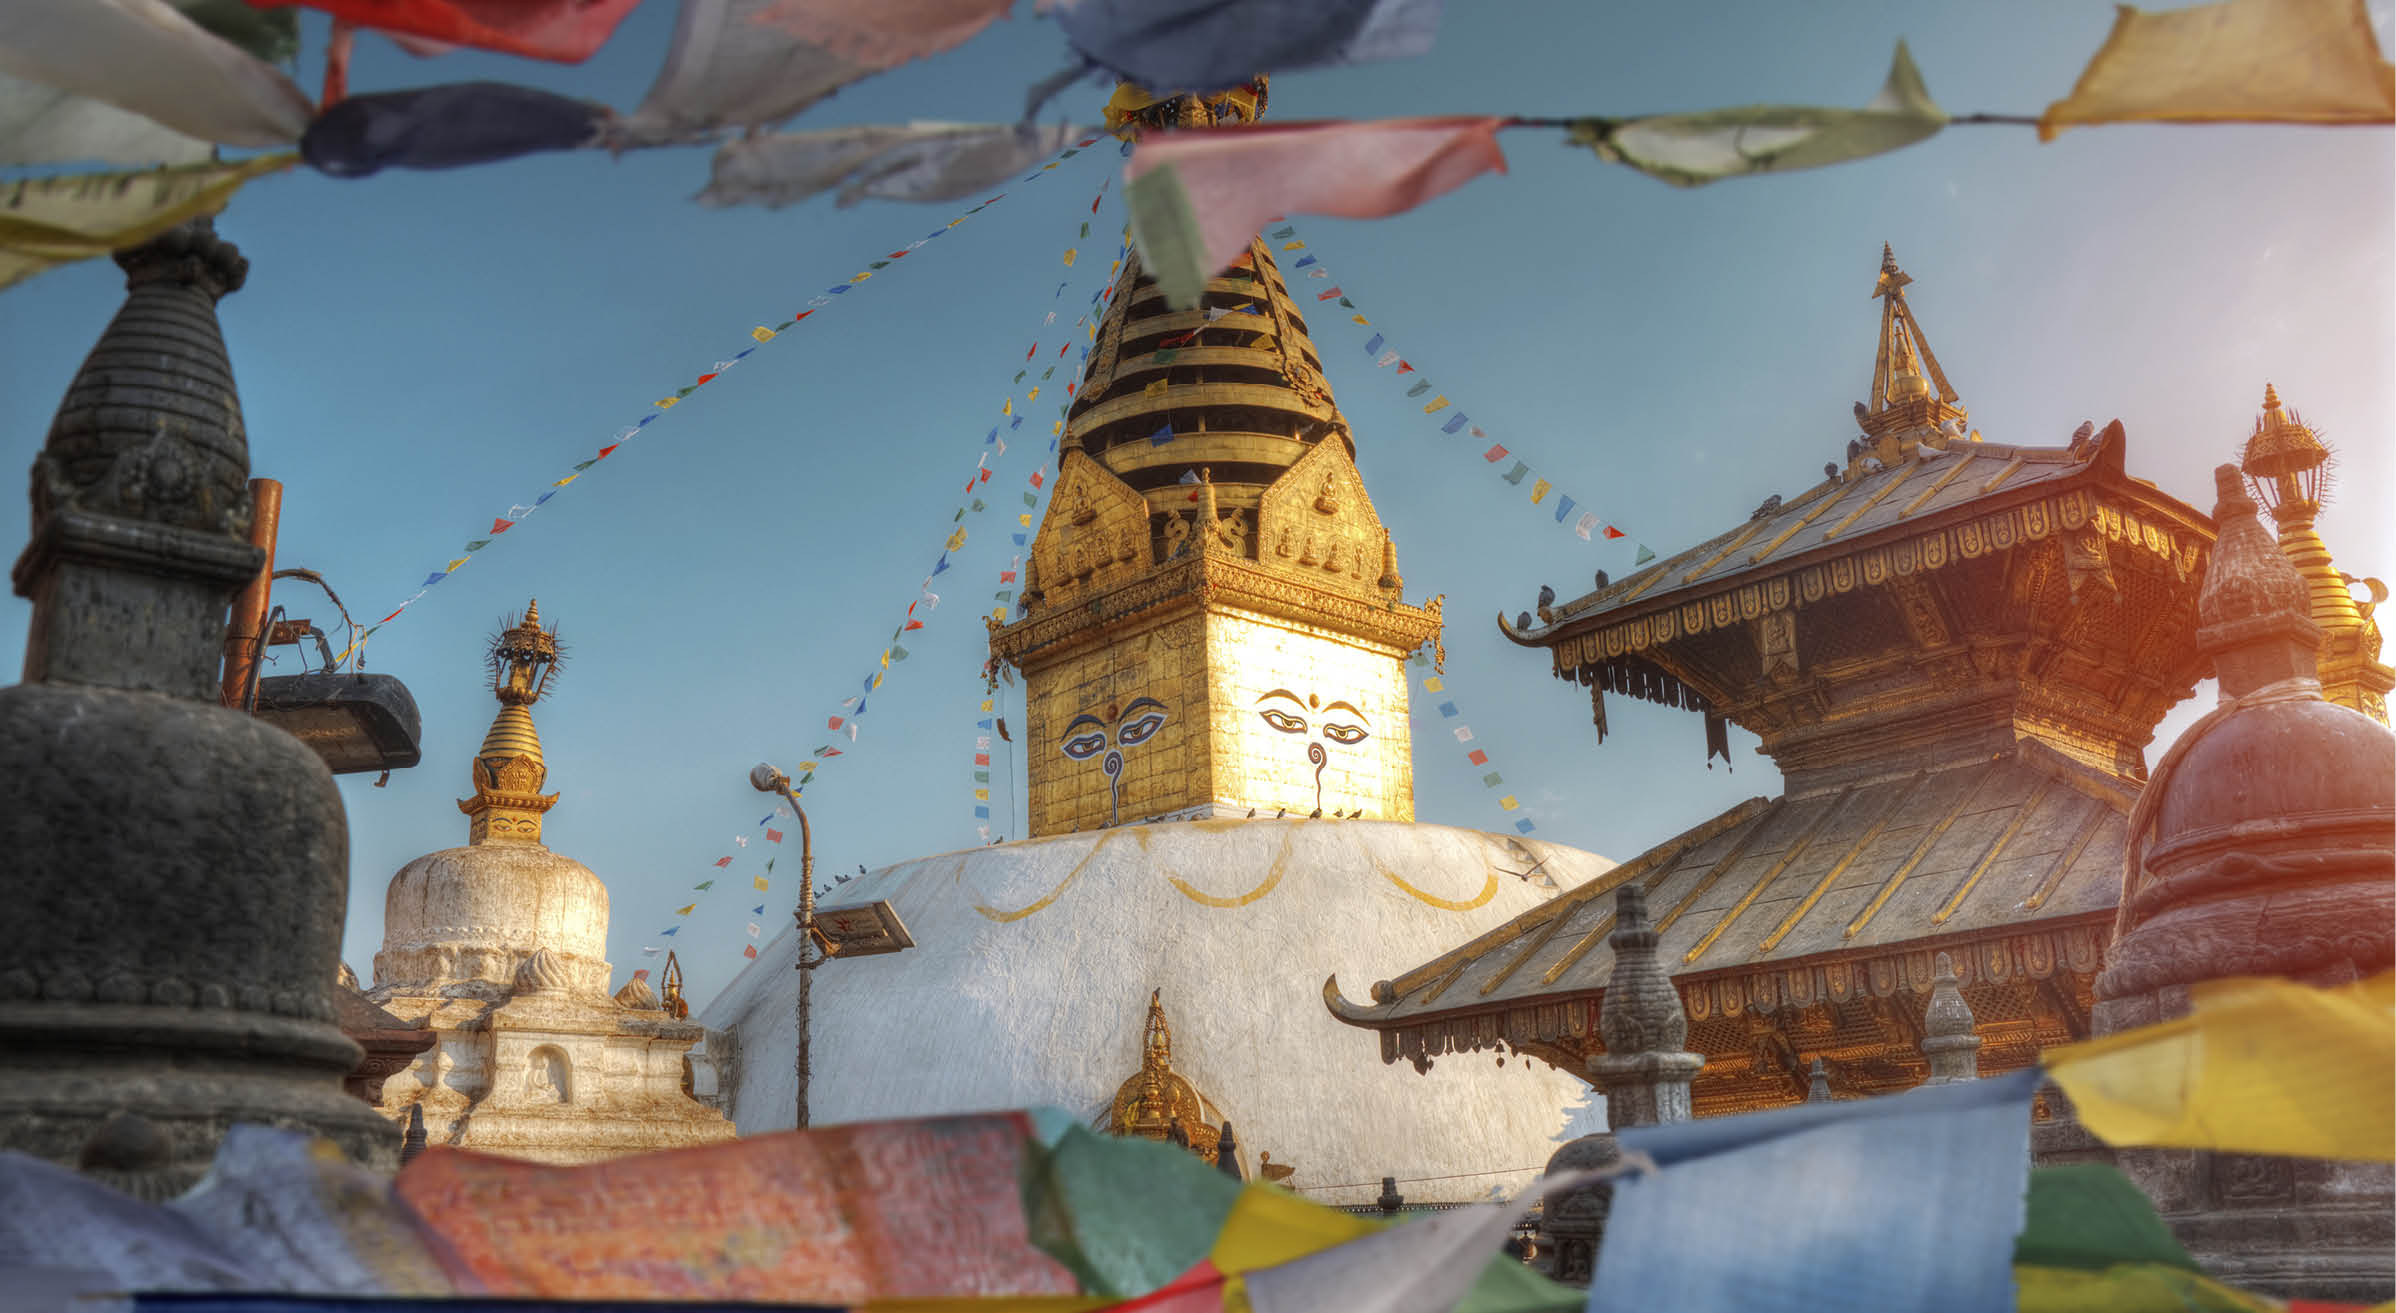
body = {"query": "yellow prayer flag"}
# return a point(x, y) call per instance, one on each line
point(981, 795)
point(877, 681)
point(1362, 320)
point(2251, 61)
point(762, 333)
point(1293, 246)
point(1268, 1226)
point(1035, 396)
point(760, 882)
point(1115, 268)
point(985, 704)
point(1508, 802)
point(1059, 428)
point(1438, 404)
point(46, 222)
point(885, 658)
point(956, 540)
point(1024, 519)
point(1539, 490)
point(566, 480)
point(999, 614)
point(1154, 388)
point(667, 403)
point(1432, 685)
point(862, 277)
point(806, 766)
point(2259, 1065)
point(1007, 407)
point(1070, 253)
point(685, 909)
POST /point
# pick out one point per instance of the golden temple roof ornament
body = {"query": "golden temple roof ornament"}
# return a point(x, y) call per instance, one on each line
point(508, 769)
point(1911, 399)
point(2289, 468)
point(1156, 1103)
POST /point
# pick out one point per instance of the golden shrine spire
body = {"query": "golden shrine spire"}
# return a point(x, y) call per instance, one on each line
point(1911, 400)
point(2288, 466)
point(508, 769)
point(1217, 627)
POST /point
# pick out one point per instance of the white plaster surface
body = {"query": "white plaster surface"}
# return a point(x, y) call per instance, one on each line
point(1033, 963)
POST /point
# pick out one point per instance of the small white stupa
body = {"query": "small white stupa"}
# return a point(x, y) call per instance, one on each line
point(500, 948)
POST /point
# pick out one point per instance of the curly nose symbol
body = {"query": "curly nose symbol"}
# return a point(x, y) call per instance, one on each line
point(1320, 758)
point(1112, 764)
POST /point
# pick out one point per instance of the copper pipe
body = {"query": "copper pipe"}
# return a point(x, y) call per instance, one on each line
point(248, 620)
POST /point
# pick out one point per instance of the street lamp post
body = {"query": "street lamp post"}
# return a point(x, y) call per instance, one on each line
point(765, 779)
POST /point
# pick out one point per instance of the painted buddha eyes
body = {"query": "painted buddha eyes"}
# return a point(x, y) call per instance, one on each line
point(1341, 722)
point(1087, 735)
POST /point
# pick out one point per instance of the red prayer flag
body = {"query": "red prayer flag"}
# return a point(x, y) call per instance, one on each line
point(800, 315)
point(564, 31)
point(1326, 294)
point(912, 626)
point(1238, 176)
point(773, 836)
point(603, 451)
point(833, 723)
point(1494, 455)
point(1405, 368)
point(502, 526)
point(985, 476)
point(1612, 532)
point(1477, 757)
point(1033, 352)
point(981, 759)
point(829, 752)
point(1039, 477)
point(748, 950)
point(723, 861)
point(704, 378)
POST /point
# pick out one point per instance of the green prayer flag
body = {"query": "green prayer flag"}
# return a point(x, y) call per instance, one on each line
point(584, 464)
point(704, 884)
point(977, 505)
point(1492, 780)
point(879, 264)
point(2089, 1215)
point(981, 777)
point(1345, 303)
point(769, 863)
point(1689, 150)
point(1646, 554)
point(1514, 476)
point(1165, 229)
point(1020, 373)
point(478, 544)
point(898, 654)
point(1085, 227)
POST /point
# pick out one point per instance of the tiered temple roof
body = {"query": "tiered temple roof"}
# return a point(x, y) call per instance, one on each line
point(1956, 651)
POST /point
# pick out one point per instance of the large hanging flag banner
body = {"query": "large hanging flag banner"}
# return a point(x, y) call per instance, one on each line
point(44, 125)
point(47, 222)
point(2256, 61)
point(2258, 1065)
point(447, 127)
point(1562, 507)
point(1223, 43)
point(1689, 150)
point(566, 31)
point(1437, 698)
point(759, 336)
point(1887, 1223)
point(920, 162)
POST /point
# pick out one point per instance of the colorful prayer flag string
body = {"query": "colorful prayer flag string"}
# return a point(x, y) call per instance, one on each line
point(760, 335)
point(1434, 685)
point(1586, 525)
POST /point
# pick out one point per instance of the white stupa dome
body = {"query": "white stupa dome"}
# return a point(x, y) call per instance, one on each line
point(1034, 962)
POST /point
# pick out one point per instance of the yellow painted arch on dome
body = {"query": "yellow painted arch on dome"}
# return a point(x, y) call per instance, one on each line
point(1489, 890)
point(1053, 894)
point(1272, 878)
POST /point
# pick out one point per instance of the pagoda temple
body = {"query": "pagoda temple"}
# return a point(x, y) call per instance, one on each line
point(499, 948)
point(1956, 650)
point(1212, 641)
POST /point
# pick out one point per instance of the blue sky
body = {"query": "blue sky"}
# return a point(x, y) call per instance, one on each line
point(418, 351)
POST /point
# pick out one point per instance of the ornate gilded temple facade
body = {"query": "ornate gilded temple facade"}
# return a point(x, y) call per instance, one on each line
point(1957, 651)
point(1212, 622)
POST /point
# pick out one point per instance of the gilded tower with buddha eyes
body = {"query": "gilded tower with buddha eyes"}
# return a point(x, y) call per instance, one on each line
point(1212, 621)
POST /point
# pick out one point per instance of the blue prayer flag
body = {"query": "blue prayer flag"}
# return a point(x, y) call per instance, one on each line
point(1913, 1200)
point(758, 910)
point(940, 565)
point(835, 291)
point(1019, 538)
point(435, 577)
point(1303, 263)
point(1524, 827)
point(1455, 422)
point(671, 930)
point(647, 420)
point(1563, 508)
point(1447, 709)
point(544, 497)
point(1161, 436)
point(981, 813)
point(1372, 347)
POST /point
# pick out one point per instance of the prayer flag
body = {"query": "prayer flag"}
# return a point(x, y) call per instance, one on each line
point(1646, 553)
point(1613, 533)
point(1039, 477)
point(748, 950)
point(1492, 780)
point(1464, 733)
point(1494, 455)
point(1447, 710)
point(685, 909)
point(1524, 826)
point(1539, 490)
point(1514, 476)
point(1432, 684)
point(1420, 387)
point(1197, 198)
point(723, 861)
point(1477, 757)
point(981, 795)
point(1436, 405)
point(2258, 1065)
point(1564, 508)
point(1327, 294)
point(760, 883)
point(1372, 346)
point(1070, 253)
point(755, 930)
point(1508, 802)
point(981, 813)
point(673, 929)
point(1156, 439)
point(1405, 368)
point(981, 759)
point(762, 334)
point(1455, 422)
point(758, 910)
point(2254, 61)
point(773, 836)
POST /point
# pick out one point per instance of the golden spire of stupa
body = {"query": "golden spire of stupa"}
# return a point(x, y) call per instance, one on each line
point(509, 770)
point(2287, 464)
point(1911, 399)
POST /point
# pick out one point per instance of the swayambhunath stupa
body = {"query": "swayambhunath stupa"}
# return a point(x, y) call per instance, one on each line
point(1053, 827)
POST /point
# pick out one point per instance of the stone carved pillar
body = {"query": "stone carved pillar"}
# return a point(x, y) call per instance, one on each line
point(178, 872)
point(1645, 1075)
point(1948, 1040)
point(2263, 844)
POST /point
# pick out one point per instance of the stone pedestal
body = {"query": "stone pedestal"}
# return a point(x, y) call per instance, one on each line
point(177, 872)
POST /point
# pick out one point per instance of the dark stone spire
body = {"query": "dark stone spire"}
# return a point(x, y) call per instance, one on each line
point(1947, 1029)
point(1227, 1154)
point(173, 973)
point(1644, 1070)
point(1817, 1082)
